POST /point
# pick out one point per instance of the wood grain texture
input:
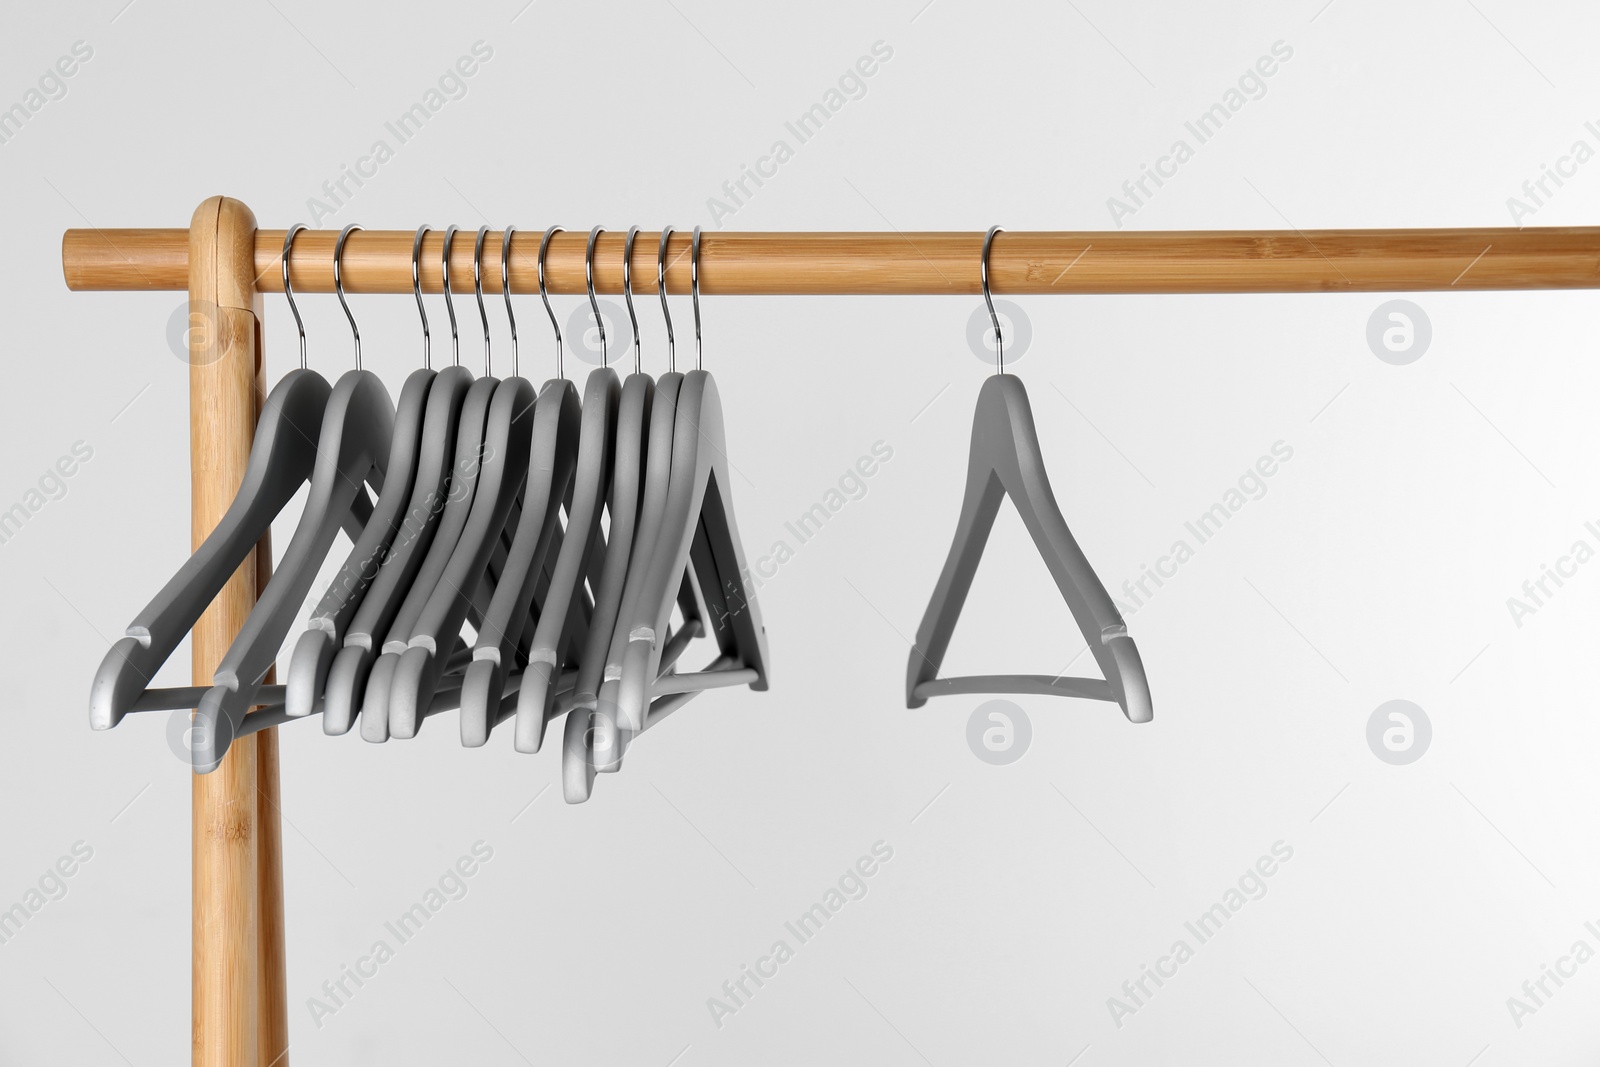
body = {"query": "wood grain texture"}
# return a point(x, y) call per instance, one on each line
point(228, 838)
point(273, 1028)
point(1220, 261)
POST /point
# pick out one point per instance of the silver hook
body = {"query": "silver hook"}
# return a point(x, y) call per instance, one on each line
point(416, 288)
point(588, 276)
point(694, 288)
point(338, 286)
point(627, 291)
point(544, 294)
point(449, 304)
point(661, 287)
point(505, 290)
point(983, 267)
point(477, 290)
point(288, 290)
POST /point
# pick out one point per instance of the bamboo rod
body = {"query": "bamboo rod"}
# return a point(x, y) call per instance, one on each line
point(752, 264)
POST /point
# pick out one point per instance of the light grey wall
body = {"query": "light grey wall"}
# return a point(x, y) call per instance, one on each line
point(1375, 564)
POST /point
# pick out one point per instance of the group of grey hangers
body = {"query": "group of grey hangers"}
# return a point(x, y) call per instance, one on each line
point(486, 512)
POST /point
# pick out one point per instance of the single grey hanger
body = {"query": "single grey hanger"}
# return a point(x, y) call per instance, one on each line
point(353, 447)
point(325, 633)
point(282, 457)
point(466, 468)
point(1006, 460)
point(582, 547)
point(505, 629)
point(507, 441)
point(698, 527)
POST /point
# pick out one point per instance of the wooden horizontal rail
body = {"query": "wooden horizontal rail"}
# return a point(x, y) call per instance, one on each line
point(1218, 261)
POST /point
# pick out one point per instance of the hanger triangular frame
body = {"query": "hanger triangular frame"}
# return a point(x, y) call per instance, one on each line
point(1006, 460)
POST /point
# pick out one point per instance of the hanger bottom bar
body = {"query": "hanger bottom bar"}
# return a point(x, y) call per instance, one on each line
point(1031, 684)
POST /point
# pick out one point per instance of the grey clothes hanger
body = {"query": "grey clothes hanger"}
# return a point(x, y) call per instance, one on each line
point(1005, 460)
point(353, 447)
point(324, 635)
point(282, 457)
point(697, 526)
point(582, 547)
point(506, 629)
point(345, 690)
point(466, 468)
point(507, 442)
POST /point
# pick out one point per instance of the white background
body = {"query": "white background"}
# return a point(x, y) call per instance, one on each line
point(1377, 565)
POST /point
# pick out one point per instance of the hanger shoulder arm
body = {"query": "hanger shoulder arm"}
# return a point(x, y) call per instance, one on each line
point(419, 522)
point(461, 487)
point(558, 416)
point(361, 565)
point(979, 507)
point(627, 486)
point(355, 439)
point(596, 450)
point(505, 467)
point(1010, 447)
point(438, 628)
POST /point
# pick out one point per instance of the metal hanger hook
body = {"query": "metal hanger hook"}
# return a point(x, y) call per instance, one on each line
point(416, 289)
point(449, 304)
point(627, 291)
point(983, 268)
point(594, 306)
point(505, 290)
point(694, 289)
point(661, 287)
point(477, 290)
point(338, 286)
point(288, 290)
point(544, 294)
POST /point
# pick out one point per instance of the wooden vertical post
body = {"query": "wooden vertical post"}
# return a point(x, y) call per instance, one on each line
point(273, 1032)
point(238, 923)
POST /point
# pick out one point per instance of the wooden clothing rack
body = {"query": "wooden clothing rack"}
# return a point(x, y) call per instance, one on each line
point(226, 264)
